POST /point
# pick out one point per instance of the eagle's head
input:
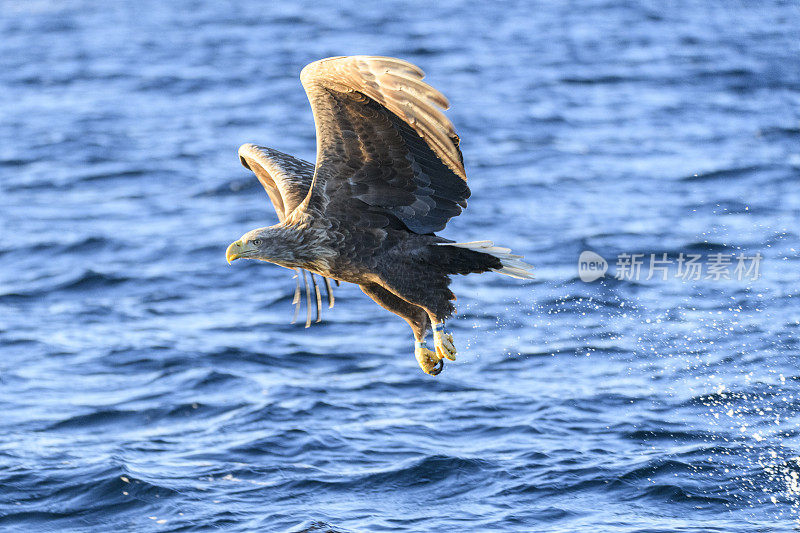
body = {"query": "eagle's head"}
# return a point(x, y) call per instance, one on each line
point(274, 244)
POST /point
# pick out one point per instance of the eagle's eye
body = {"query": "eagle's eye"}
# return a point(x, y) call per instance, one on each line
point(244, 162)
point(257, 242)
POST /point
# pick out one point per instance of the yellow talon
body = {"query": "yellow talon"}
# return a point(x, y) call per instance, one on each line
point(444, 344)
point(430, 362)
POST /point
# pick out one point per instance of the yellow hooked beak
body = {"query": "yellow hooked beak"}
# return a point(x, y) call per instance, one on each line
point(236, 250)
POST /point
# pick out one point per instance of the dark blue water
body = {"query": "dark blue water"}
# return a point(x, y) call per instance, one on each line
point(145, 385)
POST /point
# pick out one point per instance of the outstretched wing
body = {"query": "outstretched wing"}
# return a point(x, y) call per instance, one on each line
point(383, 143)
point(285, 178)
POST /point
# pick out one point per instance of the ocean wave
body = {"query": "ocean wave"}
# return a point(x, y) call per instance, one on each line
point(147, 386)
point(315, 527)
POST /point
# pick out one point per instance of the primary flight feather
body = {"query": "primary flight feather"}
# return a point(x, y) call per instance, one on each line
point(389, 174)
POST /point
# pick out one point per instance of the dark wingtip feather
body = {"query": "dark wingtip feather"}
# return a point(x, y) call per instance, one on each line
point(296, 298)
point(319, 297)
point(308, 300)
point(329, 290)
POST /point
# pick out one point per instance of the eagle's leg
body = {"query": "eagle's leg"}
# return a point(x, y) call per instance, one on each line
point(430, 362)
point(443, 341)
point(431, 293)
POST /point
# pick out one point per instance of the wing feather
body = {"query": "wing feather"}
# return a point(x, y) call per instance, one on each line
point(382, 138)
point(374, 77)
point(286, 179)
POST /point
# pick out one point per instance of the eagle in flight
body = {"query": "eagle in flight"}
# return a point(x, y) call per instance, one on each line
point(389, 175)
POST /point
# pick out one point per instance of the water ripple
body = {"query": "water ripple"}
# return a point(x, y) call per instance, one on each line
point(146, 385)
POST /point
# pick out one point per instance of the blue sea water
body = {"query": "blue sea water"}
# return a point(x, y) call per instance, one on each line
point(145, 385)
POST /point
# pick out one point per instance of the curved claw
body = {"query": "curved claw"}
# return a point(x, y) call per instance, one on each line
point(437, 368)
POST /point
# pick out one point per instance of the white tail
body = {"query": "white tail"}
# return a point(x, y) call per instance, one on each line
point(512, 264)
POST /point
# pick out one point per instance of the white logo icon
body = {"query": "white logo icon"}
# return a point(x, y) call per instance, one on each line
point(591, 266)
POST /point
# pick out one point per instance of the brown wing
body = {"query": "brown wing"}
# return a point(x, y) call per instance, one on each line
point(383, 142)
point(285, 178)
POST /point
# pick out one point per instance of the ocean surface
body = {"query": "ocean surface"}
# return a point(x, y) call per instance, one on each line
point(146, 385)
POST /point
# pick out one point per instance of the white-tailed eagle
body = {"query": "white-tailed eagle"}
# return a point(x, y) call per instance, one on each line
point(389, 175)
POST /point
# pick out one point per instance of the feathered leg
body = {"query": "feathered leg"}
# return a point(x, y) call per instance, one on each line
point(416, 317)
point(431, 293)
